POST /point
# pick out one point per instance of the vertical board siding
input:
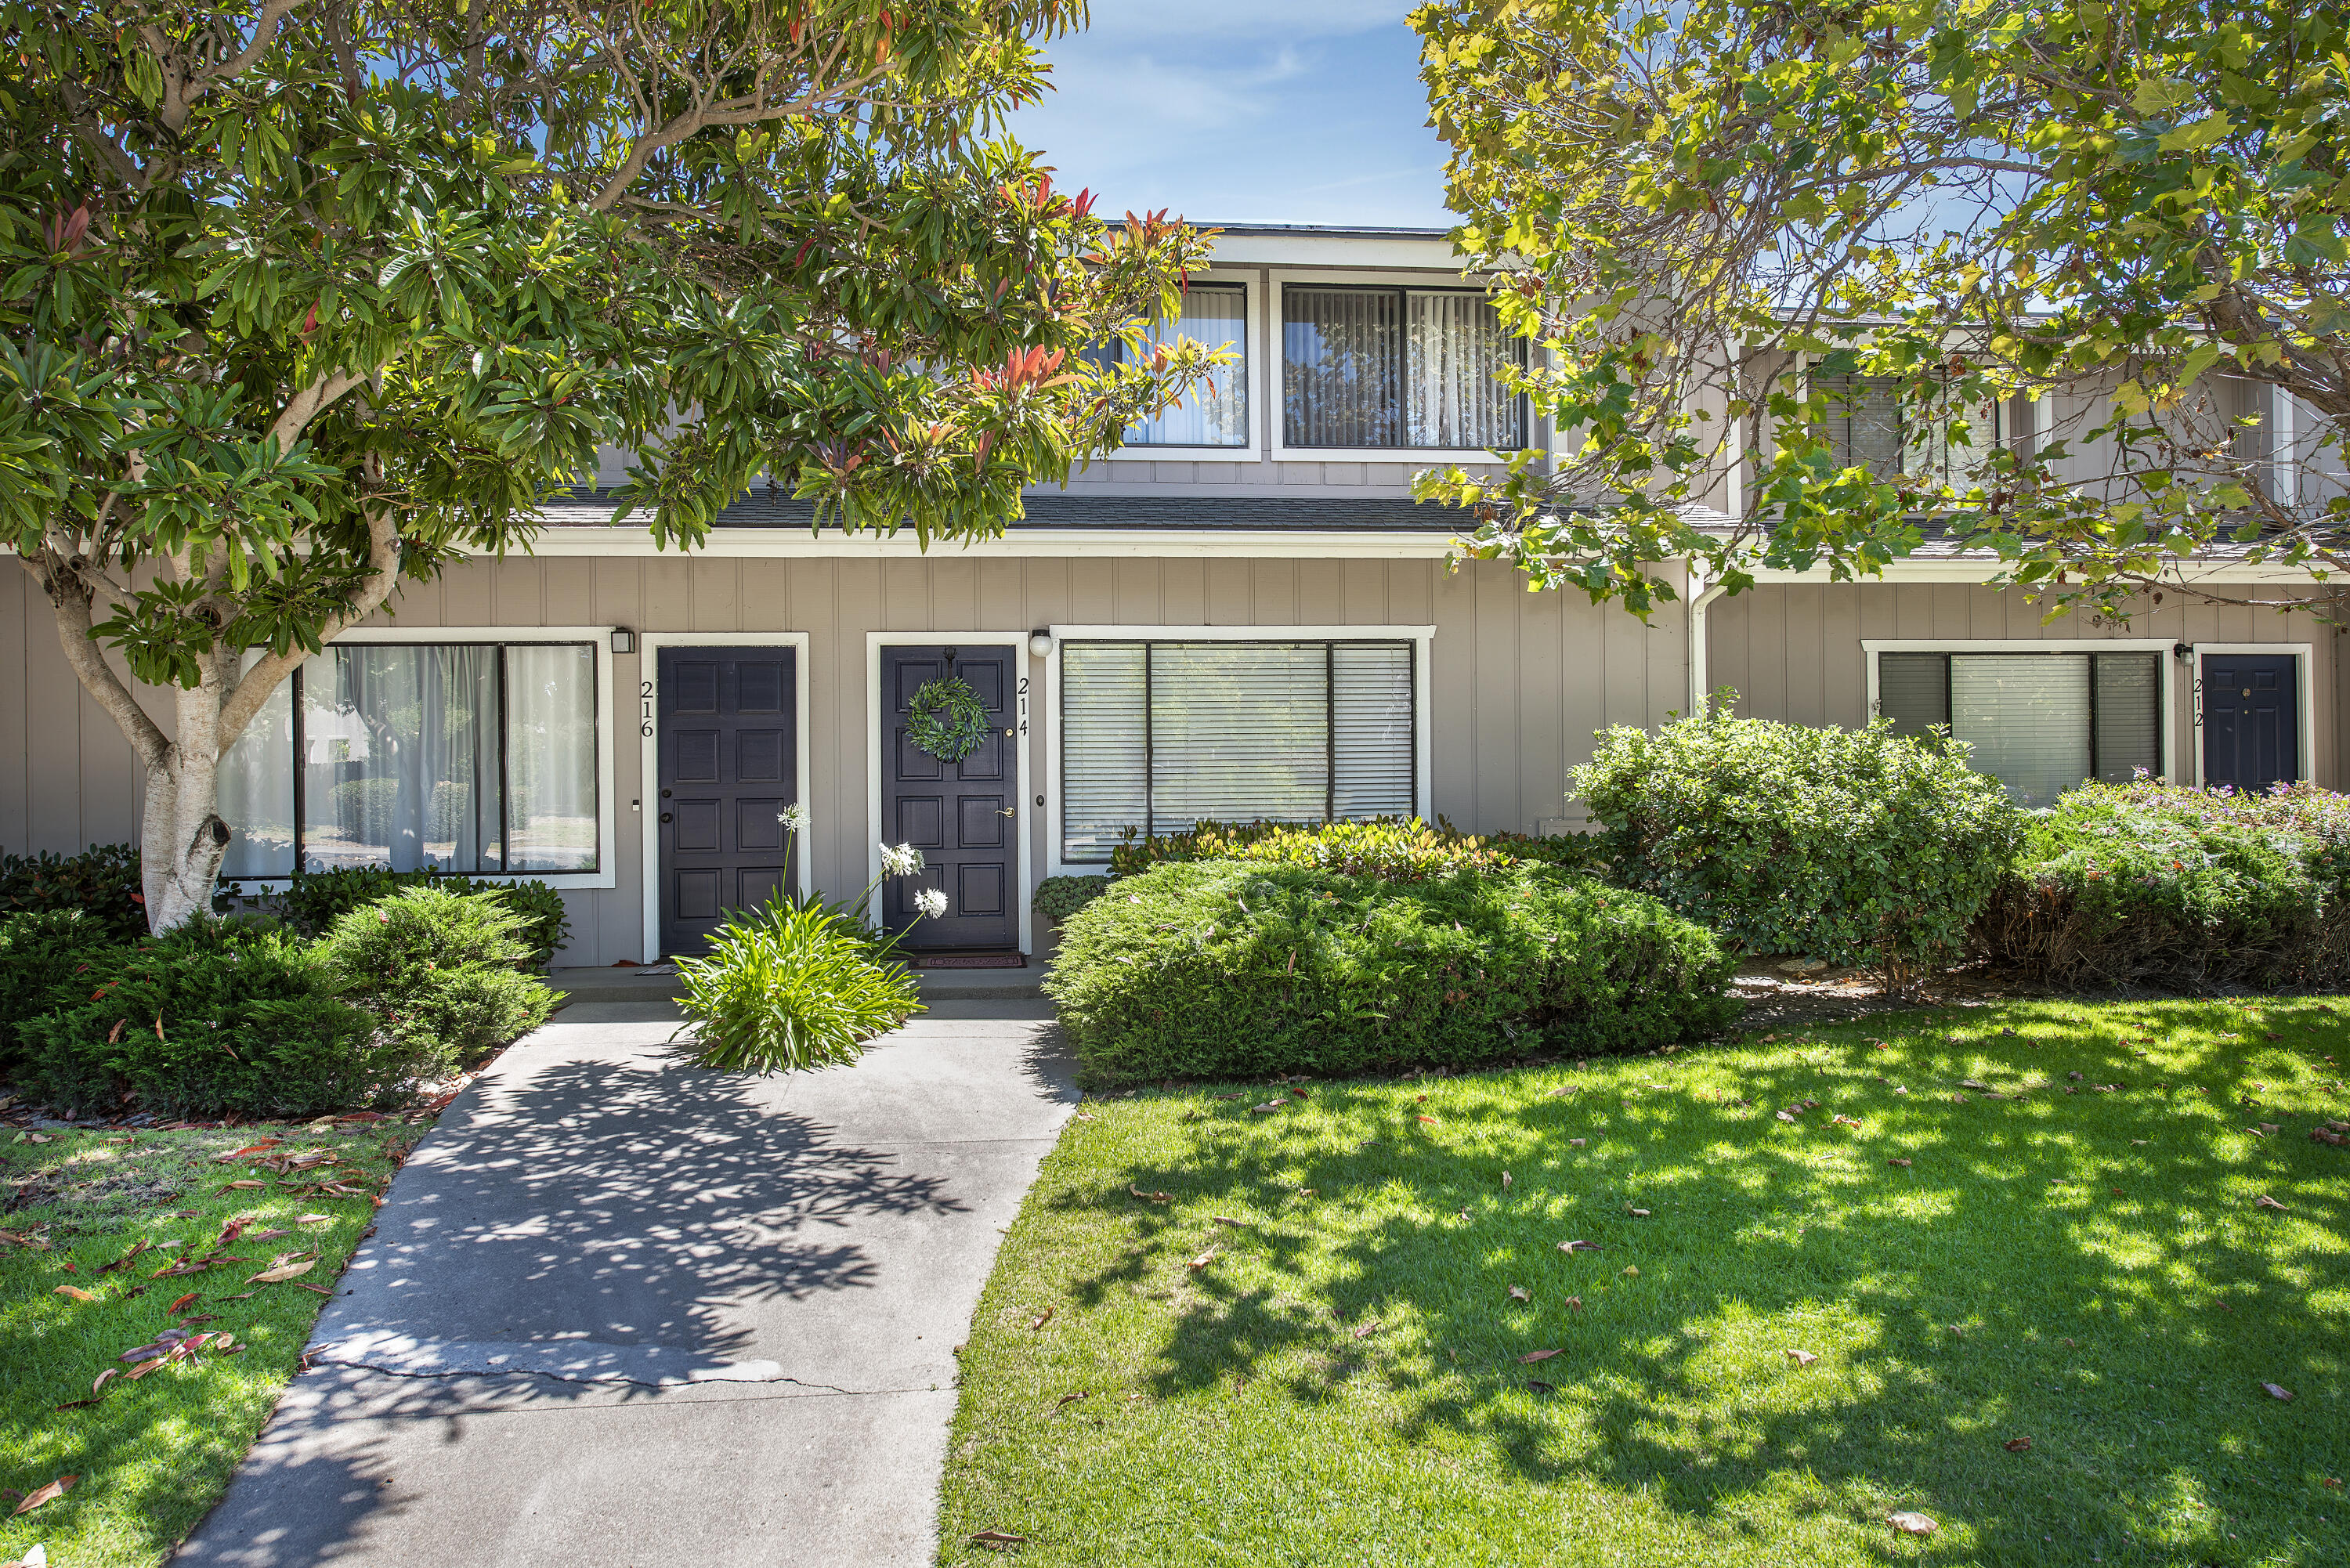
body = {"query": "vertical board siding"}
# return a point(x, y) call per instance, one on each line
point(1757, 642)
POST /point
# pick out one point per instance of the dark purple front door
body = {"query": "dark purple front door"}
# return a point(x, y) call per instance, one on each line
point(963, 816)
point(2251, 719)
point(729, 764)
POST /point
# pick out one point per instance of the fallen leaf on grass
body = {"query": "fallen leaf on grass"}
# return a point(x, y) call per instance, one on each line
point(1364, 1331)
point(1228, 1219)
point(1578, 1246)
point(1042, 1319)
point(2016, 1445)
point(320, 1218)
point(1072, 1398)
point(1572, 1304)
point(1203, 1259)
point(173, 1310)
point(1631, 1270)
point(78, 1293)
point(266, 1235)
point(2277, 1391)
point(1540, 1386)
point(236, 1185)
point(1136, 1191)
point(46, 1494)
point(998, 1539)
point(1505, 1180)
point(2265, 1202)
point(1911, 1524)
point(1903, 1163)
point(124, 1261)
point(282, 1272)
point(1636, 1213)
point(1519, 1293)
point(103, 1379)
point(142, 1369)
point(1531, 1357)
point(234, 1155)
point(1785, 1115)
point(1574, 1143)
point(1268, 1108)
point(1800, 1357)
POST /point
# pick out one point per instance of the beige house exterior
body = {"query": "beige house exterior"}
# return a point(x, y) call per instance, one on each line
point(1166, 624)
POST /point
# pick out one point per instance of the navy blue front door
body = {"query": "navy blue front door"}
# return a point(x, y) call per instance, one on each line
point(2251, 719)
point(963, 816)
point(729, 755)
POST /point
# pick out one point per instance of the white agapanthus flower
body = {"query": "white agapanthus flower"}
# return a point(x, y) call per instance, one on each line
point(903, 860)
point(794, 818)
point(931, 902)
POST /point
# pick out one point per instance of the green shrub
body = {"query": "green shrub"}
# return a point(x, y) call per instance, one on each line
point(217, 1018)
point(316, 900)
point(42, 956)
point(1058, 898)
point(793, 985)
point(439, 969)
point(2121, 884)
point(102, 882)
point(1853, 845)
point(1228, 969)
point(1399, 848)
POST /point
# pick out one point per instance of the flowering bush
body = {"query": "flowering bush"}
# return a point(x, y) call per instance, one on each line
point(2150, 882)
point(1854, 846)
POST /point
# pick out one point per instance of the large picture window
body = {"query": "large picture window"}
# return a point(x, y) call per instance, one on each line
point(1869, 428)
point(1156, 736)
point(1214, 411)
point(1397, 367)
point(475, 758)
point(2041, 724)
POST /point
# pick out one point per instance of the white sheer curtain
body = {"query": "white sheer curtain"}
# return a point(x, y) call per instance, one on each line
point(551, 757)
point(402, 758)
point(1215, 412)
point(1452, 397)
point(256, 790)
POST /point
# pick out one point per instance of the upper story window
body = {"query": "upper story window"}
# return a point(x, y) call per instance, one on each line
point(1411, 368)
point(1869, 427)
point(1214, 411)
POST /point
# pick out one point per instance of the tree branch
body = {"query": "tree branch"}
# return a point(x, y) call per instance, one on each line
point(251, 688)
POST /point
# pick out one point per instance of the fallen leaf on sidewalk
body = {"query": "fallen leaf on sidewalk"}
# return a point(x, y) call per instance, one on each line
point(46, 1494)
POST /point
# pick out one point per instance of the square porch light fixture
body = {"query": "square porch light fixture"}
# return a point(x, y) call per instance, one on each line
point(623, 640)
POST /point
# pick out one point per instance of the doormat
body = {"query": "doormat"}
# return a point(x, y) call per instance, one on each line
point(974, 960)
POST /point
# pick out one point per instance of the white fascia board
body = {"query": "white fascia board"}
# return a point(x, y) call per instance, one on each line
point(799, 544)
point(1337, 250)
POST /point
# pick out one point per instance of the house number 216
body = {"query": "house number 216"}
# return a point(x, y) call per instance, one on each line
point(645, 696)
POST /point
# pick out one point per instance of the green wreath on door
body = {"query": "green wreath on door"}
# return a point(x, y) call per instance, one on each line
point(947, 719)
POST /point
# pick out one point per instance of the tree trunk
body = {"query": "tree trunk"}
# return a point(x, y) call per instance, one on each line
point(182, 837)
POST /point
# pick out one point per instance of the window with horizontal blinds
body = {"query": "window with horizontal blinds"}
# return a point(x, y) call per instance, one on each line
point(1156, 736)
point(2039, 722)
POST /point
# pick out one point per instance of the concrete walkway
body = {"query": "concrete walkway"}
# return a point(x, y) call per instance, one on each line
point(620, 1311)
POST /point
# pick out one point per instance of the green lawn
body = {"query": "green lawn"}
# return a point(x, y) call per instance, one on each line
point(1346, 1376)
point(154, 1453)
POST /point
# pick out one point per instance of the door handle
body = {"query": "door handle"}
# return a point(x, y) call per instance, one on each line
point(1009, 810)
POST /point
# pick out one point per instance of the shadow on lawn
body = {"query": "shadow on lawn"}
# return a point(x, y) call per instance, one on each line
point(1672, 1385)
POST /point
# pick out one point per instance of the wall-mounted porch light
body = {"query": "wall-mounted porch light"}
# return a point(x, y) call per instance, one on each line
point(1040, 642)
point(623, 640)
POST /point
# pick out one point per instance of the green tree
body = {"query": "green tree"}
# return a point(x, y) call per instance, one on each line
point(1714, 212)
point(300, 298)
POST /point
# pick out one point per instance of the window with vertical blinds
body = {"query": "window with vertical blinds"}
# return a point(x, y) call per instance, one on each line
point(1156, 736)
point(1215, 411)
point(2041, 724)
point(1397, 367)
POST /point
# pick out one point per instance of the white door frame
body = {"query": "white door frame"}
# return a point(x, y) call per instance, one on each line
point(2304, 698)
point(1022, 659)
point(647, 699)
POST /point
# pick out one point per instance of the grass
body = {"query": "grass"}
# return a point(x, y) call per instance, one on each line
point(1346, 1376)
point(154, 1454)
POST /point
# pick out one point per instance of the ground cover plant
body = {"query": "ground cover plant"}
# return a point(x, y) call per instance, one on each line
point(2028, 1270)
point(2148, 883)
point(1858, 847)
point(104, 1242)
point(1197, 968)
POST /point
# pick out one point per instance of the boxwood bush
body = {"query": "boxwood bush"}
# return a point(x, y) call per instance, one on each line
point(1398, 848)
point(1855, 846)
point(439, 969)
point(2148, 883)
point(1226, 968)
point(316, 900)
point(44, 958)
point(215, 1018)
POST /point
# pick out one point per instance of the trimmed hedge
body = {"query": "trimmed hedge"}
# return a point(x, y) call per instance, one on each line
point(217, 1018)
point(102, 882)
point(316, 900)
point(1856, 846)
point(1058, 898)
point(439, 969)
point(1396, 847)
point(2149, 883)
point(1229, 969)
point(43, 955)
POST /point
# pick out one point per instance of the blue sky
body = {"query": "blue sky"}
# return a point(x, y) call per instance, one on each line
point(1287, 111)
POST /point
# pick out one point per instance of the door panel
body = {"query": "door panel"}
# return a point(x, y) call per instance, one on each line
point(2251, 719)
point(729, 755)
point(961, 815)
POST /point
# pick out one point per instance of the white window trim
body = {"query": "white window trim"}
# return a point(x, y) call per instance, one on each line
point(2305, 699)
point(608, 846)
point(2167, 709)
point(1421, 637)
point(1252, 284)
point(875, 642)
point(646, 701)
point(1275, 337)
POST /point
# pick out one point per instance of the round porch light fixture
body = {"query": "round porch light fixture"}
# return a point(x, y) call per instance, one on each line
point(1040, 642)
